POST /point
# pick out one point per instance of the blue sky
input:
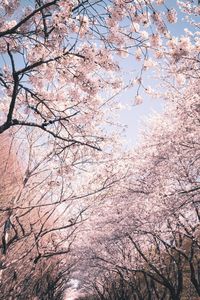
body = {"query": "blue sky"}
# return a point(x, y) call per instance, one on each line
point(134, 117)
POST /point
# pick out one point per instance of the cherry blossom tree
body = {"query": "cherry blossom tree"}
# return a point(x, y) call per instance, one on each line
point(42, 217)
point(59, 74)
point(147, 240)
point(58, 56)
